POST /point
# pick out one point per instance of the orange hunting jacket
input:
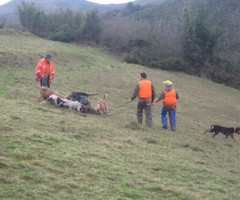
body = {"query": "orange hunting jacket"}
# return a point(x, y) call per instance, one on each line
point(41, 66)
point(145, 89)
point(169, 98)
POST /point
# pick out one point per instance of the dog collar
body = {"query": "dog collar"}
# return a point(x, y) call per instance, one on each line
point(234, 130)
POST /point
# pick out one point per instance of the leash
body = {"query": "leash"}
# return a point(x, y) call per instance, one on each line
point(121, 105)
point(120, 109)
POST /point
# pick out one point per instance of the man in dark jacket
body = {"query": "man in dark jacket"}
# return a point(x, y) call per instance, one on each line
point(146, 94)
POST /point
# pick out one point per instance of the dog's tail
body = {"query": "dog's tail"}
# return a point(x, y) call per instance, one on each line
point(104, 96)
point(94, 94)
point(206, 131)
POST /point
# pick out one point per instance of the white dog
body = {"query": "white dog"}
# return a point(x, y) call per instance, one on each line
point(72, 104)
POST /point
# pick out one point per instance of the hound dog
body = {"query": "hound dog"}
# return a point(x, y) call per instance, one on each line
point(82, 97)
point(75, 105)
point(45, 93)
point(78, 96)
point(101, 105)
point(224, 130)
point(54, 100)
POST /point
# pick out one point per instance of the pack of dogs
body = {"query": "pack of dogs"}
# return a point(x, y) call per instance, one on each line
point(78, 101)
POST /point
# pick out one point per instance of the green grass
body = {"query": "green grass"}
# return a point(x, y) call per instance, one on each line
point(53, 153)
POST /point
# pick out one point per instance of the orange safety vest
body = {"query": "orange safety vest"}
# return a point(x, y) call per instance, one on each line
point(42, 66)
point(169, 98)
point(145, 89)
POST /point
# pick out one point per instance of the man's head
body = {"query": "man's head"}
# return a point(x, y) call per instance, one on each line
point(167, 85)
point(48, 58)
point(143, 75)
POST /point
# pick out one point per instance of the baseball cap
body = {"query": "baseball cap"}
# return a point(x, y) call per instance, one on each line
point(167, 82)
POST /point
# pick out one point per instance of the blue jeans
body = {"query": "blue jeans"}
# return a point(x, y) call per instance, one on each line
point(172, 118)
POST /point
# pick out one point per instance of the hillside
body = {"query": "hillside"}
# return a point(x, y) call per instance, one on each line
point(8, 10)
point(53, 153)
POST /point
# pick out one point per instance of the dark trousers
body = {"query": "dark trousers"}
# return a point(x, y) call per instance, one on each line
point(45, 82)
point(144, 104)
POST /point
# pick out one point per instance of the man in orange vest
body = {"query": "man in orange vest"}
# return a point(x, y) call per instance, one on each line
point(45, 71)
point(146, 94)
point(169, 99)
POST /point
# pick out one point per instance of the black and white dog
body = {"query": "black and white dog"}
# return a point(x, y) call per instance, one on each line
point(54, 100)
point(75, 105)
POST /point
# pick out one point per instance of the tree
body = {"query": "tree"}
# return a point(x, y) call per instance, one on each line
point(92, 27)
point(198, 40)
point(2, 24)
point(31, 18)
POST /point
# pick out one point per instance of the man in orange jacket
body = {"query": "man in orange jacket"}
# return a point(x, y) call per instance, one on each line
point(45, 71)
point(169, 99)
point(146, 94)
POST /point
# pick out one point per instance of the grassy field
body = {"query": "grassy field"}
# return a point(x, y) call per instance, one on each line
point(53, 153)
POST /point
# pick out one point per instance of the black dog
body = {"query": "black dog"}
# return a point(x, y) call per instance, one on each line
point(224, 130)
point(82, 97)
point(77, 96)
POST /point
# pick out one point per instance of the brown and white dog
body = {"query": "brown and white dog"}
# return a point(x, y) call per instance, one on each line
point(101, 105)
point(45, 92)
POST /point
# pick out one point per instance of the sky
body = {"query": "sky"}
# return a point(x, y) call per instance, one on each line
point(3, 1)
point(95, 1)
point(110, 1)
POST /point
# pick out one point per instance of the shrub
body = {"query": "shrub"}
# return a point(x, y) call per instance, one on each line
point(171, 64)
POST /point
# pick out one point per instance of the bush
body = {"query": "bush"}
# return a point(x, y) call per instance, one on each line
point(131, 58)
point(171, 64)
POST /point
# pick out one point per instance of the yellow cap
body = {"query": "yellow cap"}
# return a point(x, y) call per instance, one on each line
point(167, 82)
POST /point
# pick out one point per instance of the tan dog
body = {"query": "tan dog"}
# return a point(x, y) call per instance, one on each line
point(102, 105)
point(45, 92)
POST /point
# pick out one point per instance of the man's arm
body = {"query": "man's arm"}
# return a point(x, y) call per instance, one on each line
point(177, 95)
point(135, 93)
point(159, 98)
point(38, 67)
point(153, 93)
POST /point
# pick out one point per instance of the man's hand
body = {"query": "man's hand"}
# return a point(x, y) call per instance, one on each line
point(130, 100)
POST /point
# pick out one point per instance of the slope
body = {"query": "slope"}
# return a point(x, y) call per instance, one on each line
point(8, 11)
point(53, 153)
